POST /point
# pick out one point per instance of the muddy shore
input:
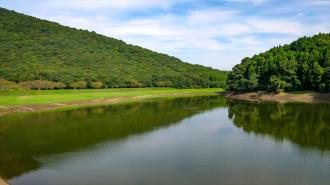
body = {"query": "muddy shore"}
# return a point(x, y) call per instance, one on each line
point(282, 97)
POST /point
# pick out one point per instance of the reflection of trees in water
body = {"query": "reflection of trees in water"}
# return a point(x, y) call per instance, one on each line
point(26, 136)
point(307, 125)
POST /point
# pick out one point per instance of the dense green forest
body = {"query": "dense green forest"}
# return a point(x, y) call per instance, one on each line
point(302, 65)
point(39, 54)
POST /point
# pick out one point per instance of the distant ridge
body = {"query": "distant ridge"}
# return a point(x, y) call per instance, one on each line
point(34, 49)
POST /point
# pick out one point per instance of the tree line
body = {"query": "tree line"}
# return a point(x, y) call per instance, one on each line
point(302, 65)
point(49, 85)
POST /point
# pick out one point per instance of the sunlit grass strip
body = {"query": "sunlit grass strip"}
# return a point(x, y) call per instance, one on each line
point(31, 97)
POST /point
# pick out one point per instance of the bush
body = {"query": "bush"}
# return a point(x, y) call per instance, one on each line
point(164, 84)
point(78, 85)
point(96, 85)
point(276, 84)
point(41, 85)
point(135, 84)
point(6, 85)
point(323, 88)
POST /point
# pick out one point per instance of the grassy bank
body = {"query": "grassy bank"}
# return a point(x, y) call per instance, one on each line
point(34, 100)
point(31, 97)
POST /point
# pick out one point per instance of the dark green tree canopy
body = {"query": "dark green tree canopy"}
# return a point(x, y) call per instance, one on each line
point(33, 49)
point(302, 65)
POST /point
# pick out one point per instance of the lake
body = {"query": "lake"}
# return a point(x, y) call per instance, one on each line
point(197, 141)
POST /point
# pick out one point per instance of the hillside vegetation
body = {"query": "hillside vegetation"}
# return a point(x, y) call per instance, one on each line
point(301, 65)
point(57, 56)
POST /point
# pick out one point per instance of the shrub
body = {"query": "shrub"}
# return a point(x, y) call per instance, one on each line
point(164, 84)
point(41, 85)
point(78, 85)
point(96, 85)
point(135, 84)
point(6, 85)
point(276, 84)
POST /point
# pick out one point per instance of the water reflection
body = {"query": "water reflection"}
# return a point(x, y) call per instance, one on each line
point(24, 137)
point(203, 140)
point(307, 125)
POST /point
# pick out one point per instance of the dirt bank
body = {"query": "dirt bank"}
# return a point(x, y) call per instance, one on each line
point(2, 182)
point(304, 97)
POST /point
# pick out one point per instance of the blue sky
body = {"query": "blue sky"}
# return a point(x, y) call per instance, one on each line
point(216, 33)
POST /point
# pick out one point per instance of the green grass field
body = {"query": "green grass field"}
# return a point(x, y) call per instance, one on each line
point(29, 97)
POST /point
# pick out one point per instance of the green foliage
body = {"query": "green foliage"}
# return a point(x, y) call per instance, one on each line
point(78, 85)
point(34, 49)
point(301, 65)
point(276, 84)
point(96, 85)
point(164, 84)
point(41, 85)
point(7, 85)
point(35, 84)
point(135, 84)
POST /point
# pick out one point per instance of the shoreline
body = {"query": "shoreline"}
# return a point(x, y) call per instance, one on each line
point(297, 97)
point(282, 97)
point(5, 110)
point(3, 182)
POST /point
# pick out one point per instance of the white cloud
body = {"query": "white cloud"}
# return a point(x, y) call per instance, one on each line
point(194, 36)
point(231, 29)
point(109, 4)
point(315, 2)
point(276, 26)
point(255, 2)
point(206, 16)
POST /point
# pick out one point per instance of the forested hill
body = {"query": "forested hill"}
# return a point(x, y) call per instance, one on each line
point(39, 51)
point(302, 65)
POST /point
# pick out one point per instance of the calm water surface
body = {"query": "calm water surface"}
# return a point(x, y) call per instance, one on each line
point(195, 141)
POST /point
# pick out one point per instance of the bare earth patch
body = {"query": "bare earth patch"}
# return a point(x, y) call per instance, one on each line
point(310, 97)
point(2, 182)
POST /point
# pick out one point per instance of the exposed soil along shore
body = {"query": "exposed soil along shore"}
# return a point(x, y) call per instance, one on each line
point(2, 182)
point(304, 97)
point(42, 107)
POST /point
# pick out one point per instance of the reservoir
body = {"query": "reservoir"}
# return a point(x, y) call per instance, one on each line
point(184, 141)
